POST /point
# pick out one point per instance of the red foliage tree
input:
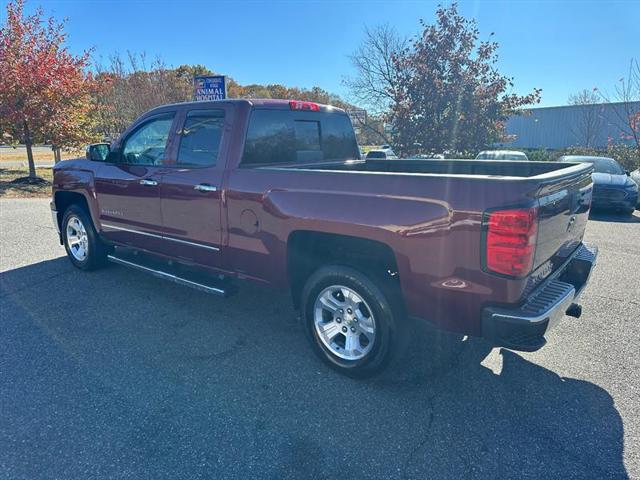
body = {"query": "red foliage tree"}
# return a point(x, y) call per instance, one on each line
point(448, 93)
point(45, 91)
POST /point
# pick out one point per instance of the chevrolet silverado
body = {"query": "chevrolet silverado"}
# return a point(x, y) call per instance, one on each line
point(274, 191)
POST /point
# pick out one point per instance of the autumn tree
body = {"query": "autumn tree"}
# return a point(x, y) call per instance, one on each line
point(132, 85)
point(440, 91)
point(451, 95)
point(45, 91)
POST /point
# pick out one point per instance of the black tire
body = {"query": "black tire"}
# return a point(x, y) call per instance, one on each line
point(96, 250)
point(391, 326)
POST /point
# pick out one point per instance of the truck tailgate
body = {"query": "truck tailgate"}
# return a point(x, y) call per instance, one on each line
point(562, 218)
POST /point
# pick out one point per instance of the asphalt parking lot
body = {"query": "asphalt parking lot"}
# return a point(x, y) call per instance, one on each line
point(114, 374)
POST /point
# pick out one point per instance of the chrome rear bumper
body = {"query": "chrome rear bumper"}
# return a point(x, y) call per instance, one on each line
point(524, 327)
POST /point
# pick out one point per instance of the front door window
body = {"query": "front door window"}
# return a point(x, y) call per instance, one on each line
point(146, 145)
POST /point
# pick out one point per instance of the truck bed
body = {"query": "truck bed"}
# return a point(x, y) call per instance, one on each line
point(437, 210)
point(448, 167)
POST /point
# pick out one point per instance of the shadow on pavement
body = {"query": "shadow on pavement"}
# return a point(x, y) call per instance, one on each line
point(114, 373)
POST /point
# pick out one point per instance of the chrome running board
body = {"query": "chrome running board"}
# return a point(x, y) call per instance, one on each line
point(197, 281)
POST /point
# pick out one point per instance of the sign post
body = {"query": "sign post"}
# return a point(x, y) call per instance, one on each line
point(206, 88)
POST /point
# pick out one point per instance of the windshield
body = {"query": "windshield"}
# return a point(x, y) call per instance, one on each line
point(514, 156)
point(604, 165)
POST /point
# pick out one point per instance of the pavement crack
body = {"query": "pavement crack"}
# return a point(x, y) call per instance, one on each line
point(622, 300)
point(425, 437)
point(437, 384)
point(230, 351)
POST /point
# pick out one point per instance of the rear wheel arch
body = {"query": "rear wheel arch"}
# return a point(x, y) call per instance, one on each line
point(359, 333)
point(307, 251)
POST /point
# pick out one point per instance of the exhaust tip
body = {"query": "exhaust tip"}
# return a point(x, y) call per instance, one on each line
point(574, 310)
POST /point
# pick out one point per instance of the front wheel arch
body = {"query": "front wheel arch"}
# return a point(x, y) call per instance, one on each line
point(63, 200)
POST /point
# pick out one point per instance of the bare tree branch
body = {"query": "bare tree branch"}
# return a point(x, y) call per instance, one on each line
point(374, 85)
point(625, 104)
point(588, 122)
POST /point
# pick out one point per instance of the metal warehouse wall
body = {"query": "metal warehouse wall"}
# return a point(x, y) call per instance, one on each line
point(561, 127)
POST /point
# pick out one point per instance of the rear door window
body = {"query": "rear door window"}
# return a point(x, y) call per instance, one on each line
point(270, 138)
point(200, 138)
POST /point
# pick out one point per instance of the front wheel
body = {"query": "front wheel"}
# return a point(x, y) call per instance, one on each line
point(84, 248)
point(353, 325)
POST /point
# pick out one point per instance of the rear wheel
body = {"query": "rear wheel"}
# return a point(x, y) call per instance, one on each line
point(353, 325)
point(84, 248)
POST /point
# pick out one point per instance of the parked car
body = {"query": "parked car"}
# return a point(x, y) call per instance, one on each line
point(635, 176)
point(388, 150)
point(502, 155)
point(381, 154)
point(612, 187)
point(206, 194)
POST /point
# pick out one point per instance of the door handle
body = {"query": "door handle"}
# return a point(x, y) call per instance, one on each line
point(148, 183)
point(205, 187)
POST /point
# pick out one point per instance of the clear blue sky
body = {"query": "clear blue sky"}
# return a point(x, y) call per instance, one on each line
point(560, 47)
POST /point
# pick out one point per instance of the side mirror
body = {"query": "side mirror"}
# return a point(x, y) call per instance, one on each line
point(628, 173)
point(98, 152)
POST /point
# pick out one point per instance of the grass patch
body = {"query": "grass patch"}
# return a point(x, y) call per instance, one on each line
point(12, 187)
point(19, 154)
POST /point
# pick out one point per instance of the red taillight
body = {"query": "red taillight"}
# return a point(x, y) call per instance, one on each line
point(296, 105)
point(511, 241)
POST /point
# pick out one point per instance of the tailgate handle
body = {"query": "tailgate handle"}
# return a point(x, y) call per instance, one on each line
point(205, 187)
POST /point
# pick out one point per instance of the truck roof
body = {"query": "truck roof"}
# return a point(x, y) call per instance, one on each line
point(275, 103)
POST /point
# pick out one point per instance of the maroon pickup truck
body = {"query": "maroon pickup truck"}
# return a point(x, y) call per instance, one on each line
point(274, 191)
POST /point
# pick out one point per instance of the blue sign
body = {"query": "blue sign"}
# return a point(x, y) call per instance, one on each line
point(210, 88)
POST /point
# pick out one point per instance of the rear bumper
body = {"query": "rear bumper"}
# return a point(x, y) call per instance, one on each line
point(523, 327)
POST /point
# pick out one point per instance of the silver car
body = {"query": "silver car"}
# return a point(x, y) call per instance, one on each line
point(502, 155)
point(381, 154)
